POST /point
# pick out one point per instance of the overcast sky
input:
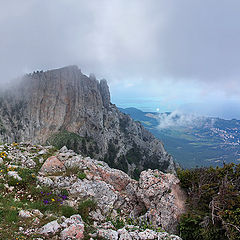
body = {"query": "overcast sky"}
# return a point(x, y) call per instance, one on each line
point(155, 54)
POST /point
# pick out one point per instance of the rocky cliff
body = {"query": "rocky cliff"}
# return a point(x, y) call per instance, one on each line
point(65, 107)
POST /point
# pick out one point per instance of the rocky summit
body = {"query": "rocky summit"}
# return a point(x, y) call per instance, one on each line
point(58, 194)
point(65, 107)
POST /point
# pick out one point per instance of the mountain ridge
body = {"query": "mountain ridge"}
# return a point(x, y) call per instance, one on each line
point(44, 106)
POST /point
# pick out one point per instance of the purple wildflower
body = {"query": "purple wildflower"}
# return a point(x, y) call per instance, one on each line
point(64, 197)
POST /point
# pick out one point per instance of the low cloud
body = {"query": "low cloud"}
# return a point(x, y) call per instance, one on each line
point(121, 39)
point(179, 119)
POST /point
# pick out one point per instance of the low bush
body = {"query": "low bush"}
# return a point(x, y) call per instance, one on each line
point(213, 203)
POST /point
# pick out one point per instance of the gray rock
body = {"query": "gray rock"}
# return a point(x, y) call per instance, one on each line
point(14, 175)
point(50, 228)
point(124, 234)
point(63, 149)
point(45, 181)
point(74, 228)
point(37, 213)
point(148, 234)
point(24, 214)
point(108, 234)
point(43, 151)
point(30, 163)
point(102, 192)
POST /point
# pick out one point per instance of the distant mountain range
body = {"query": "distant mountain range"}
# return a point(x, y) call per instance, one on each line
point(193, 141)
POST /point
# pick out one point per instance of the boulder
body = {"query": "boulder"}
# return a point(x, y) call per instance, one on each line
point(51, 165)
point(50, 228)
point(24, 214)
point(14, 175)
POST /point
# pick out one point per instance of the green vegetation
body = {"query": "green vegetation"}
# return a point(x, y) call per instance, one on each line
point(118, 223)
point(81, 175)
point(68, 211)
point(85, 207)
point(65, 138)
point(83, 145)
point(134, 155)
point(213, 203)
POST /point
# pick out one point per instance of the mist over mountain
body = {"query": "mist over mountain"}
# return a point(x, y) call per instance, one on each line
point(179, 119)
point(193, 140)
point(65, 107)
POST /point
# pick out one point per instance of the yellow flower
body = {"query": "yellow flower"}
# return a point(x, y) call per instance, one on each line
point(53, 200)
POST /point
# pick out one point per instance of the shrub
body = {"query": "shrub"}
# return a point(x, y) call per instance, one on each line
point(213, 201)
point(68, 211)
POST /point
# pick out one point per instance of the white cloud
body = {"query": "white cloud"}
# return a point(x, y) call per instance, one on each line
point(179, 119)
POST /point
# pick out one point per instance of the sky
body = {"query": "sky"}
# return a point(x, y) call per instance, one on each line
point(157, 55)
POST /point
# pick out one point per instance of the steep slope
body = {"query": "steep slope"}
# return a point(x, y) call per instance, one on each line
point(65, 107)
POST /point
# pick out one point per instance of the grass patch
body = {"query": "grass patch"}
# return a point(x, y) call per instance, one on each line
point(85, 207)
point(81, 175)
point(68, 211)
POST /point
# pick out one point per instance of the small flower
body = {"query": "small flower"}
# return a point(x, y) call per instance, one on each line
point(45, 201)
point(64, 197)
point(53, 200)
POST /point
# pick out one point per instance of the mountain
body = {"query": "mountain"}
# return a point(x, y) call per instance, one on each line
point(65, 107)
point(193, 141)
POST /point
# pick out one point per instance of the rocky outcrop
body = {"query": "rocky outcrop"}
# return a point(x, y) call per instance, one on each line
point(101, 199)
point(65, 107)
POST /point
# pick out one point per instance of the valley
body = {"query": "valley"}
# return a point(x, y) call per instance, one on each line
point(205, 141)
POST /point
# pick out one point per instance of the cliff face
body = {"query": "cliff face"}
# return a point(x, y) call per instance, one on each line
point(65, 104)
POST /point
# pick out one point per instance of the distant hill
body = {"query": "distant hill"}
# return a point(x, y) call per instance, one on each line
point(193, 141)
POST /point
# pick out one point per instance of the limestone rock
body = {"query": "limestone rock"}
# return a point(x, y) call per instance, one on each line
point(45, 181)
point(100, 191)
point(108, 234)
point(124, 235)
point(50, 228)
point(74, 228)
point(37, 213)
point(24, 214)
point(52, 164)
point(73, 232)
point(162, 197)
point(14, 175)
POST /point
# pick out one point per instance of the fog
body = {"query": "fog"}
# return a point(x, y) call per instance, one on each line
point(132, 42)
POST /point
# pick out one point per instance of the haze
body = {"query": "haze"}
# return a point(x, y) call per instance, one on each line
point(155, 54)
